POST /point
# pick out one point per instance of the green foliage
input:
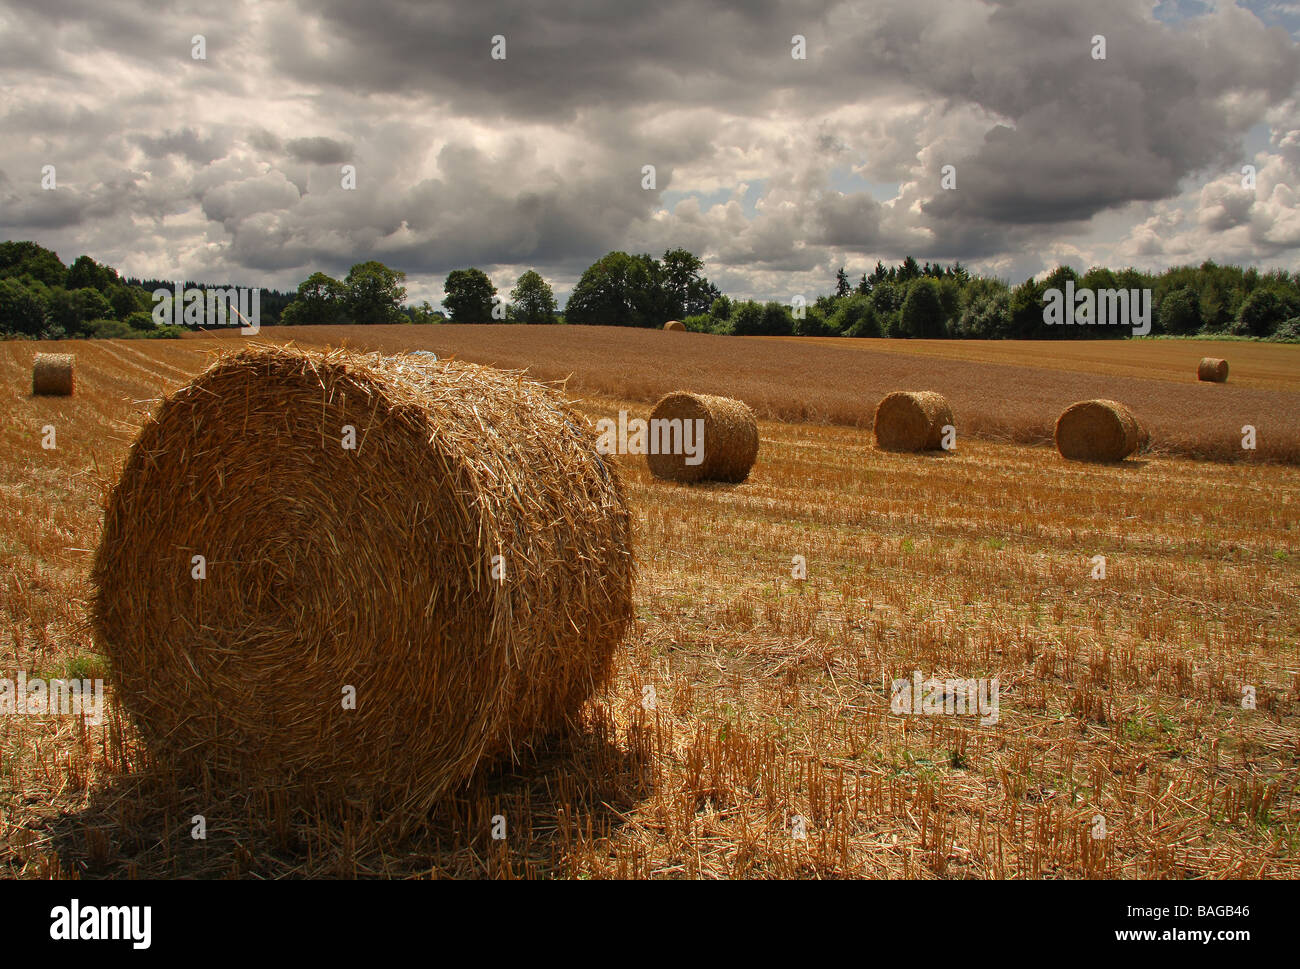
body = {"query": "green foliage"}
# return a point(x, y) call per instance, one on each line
point(700, 323)
point(126, 300)
point(761, 319)
point(532, 300)
point(923, 314)
point(855, 316)
point(423, 314)
point(108, 329)
point(73, 310)
point(624, 290)
point(19, 259)
point(813, 323)
point(613, 291)
point(747, 318)
point(777, 320)
point(1179, 313)
point(1288, 331)
point(470, 296)
point(682, 282)
point(140, 320)
point(987, 317)
point(720, 309)
point(319, 300)
point(1025, 310)
point(373, 293)
point(1260, 313)
point(22, 311)
point(85, 273)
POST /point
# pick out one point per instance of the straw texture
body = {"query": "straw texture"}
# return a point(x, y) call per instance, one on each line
point(912, 421)
point(730, 438)
point(369, 568)
point(52, 374)
point(674, 325)
point(1098, 430)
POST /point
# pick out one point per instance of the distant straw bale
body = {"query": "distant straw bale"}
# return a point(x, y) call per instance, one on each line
point(730, 442)
point(463, 569)
point(1213, 369)
point(912, 421)
point(52, 374)
point(674, 325)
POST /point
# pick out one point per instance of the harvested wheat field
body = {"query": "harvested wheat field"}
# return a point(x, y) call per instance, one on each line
point(1147, 722)
point(841, 381)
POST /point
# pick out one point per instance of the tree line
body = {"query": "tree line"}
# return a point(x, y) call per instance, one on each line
point(42, 297)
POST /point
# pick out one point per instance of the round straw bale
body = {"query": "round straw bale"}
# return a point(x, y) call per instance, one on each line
point(465, 569)
point(1212, 369)
point(52, 374)
point(912, 421)
point(1098, 430)
point(729, 444)
point(674, 325)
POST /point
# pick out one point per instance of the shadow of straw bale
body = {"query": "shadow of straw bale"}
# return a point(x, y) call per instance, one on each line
point(571, 790)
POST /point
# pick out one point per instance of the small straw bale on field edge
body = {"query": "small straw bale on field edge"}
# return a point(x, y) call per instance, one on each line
point(730, 440)
point(674, 325)
point(912, 421)
point(1099, 430)
point(1212, 369)
point(372, 568)
point(52, 374)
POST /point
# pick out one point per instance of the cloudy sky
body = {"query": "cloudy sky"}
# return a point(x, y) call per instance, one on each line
point(776, 170)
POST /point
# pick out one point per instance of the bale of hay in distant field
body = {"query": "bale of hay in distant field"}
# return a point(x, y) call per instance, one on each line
point(912, 421)
point(409, 571)
point(674, 325)
point(1098, 430)
point(1212, 369)
point(728, 447)
point(52, 374)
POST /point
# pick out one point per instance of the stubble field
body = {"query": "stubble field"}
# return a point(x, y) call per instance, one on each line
point(1122, 748)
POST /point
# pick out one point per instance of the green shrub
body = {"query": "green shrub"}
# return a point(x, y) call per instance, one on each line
point(105, 329)
point(855, 316)
point(1288, 331)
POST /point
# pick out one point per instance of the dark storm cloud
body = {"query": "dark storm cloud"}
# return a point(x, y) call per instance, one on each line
point(536, 160)
point(1089, 135)
point(187, 143)
point(318, 151)
point(560, 57)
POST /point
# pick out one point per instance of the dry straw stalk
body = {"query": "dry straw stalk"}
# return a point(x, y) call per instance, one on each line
point(370, 568)
point(1213, 369)
point(1099, 430)
point(912, 421)
point(730, 438)
point(52, 374)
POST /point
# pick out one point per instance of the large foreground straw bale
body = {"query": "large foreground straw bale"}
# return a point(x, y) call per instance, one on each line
point(730, 443)
point(674, 325)
point(370, 569)
point(912, 421)
point(1098, 430)
point(1213, 369)
point(52, 374)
